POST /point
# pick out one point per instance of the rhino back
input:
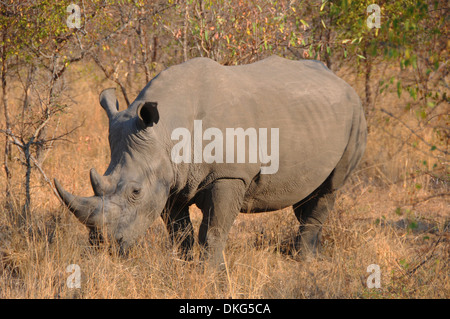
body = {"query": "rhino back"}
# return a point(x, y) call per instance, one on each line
point(311, 107)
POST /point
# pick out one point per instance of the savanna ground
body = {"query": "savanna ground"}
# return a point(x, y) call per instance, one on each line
point(393, 212)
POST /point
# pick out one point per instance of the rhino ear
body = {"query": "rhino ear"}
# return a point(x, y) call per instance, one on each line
point(109, 102)
point(148, 113)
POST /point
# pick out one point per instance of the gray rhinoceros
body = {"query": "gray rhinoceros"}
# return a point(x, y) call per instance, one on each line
point(155, 170)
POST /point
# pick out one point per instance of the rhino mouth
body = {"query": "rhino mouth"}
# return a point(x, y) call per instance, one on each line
point(118, 247)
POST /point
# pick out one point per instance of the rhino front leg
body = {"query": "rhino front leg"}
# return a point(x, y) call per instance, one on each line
point(220, 206)
point(181, 232)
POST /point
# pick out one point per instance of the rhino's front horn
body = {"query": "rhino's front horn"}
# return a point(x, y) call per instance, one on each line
point(84, 208)
point(101, 185)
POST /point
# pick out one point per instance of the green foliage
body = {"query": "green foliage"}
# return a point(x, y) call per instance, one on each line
point(235, 32)
point(412, 38)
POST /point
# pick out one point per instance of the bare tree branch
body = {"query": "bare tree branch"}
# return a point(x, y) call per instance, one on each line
point(412, 131)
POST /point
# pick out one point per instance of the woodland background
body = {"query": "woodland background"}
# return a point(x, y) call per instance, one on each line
point(394, 211)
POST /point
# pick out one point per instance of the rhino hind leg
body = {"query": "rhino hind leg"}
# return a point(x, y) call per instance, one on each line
point(312, 213)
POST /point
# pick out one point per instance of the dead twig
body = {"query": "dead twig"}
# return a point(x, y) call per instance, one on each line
point(425, 260)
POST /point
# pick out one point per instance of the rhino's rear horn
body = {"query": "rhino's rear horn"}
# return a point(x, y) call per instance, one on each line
point(102, 185)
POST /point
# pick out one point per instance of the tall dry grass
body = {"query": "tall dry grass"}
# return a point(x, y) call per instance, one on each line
point(380, 217)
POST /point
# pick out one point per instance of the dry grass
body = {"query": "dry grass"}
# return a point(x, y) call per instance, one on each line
point(374, 222)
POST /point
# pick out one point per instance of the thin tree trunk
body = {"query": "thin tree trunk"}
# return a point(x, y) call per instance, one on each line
point(27, 207)
point(368, 75)
point(186, 21)
point(328, 40)
point(143, 42)
point(154, 52)
point(7, 149)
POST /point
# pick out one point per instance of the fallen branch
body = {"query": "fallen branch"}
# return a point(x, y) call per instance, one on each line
point(424, 199)
point(425, 260)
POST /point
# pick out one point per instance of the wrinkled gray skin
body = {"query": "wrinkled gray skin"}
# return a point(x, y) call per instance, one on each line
point(322, 136)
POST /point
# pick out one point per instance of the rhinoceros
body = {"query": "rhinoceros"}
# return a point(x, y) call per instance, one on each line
point(321, 137)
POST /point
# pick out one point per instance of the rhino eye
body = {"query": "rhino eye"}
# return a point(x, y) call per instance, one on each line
point(136, 191)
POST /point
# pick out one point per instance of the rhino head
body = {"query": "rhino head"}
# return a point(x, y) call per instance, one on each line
point(134, 189)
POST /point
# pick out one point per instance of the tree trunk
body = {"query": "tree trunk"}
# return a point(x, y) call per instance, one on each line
point(185, 27)
point(27, 206)
point(7, 150)
point(368, 75)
